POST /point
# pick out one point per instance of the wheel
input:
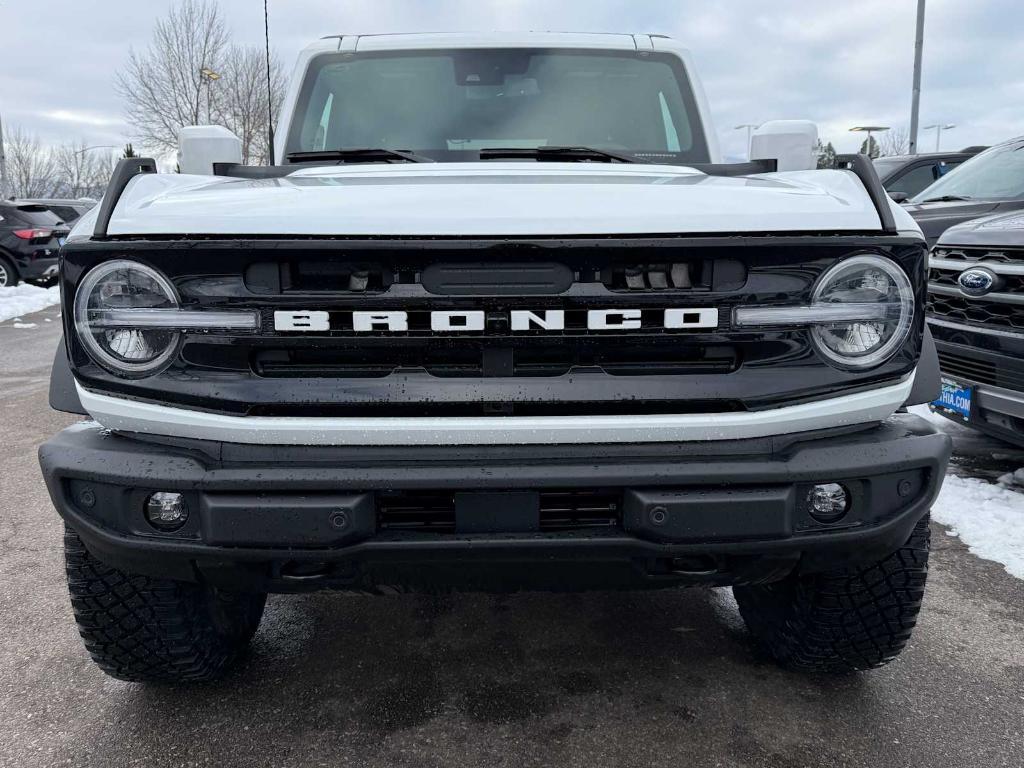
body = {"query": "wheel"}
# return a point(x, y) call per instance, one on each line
point(8, 274)
point(142, 629)
point(845, 620)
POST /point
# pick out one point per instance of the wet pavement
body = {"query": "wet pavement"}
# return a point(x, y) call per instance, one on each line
point(601, 679)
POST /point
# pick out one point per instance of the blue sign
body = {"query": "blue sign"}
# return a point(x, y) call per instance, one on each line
point(955, 398)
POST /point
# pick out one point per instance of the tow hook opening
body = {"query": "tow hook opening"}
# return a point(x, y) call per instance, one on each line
point(294, 570)
point(694, 565)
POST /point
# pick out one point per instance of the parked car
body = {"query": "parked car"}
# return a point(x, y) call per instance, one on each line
point(67, 210)
point(904, 176)
point(30, 237)
point(437, 346)
point(991, 182)
point(975, 291)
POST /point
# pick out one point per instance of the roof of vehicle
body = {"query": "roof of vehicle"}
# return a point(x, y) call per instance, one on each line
point(57, 201)
point(23, 204)
point(442, 40)
point(1003, 230)
point(932, 155)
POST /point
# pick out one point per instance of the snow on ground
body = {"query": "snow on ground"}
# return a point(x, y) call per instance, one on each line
point(24, 299)
point(988, 518)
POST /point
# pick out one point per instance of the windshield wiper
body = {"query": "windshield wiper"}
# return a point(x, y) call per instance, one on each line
point(947, 199)
point(563, 154)
point(361, 155)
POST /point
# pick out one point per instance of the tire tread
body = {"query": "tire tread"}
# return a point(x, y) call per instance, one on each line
point(842, 621)
point(144, 629)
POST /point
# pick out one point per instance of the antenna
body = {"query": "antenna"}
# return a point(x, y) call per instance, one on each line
point(270, 92)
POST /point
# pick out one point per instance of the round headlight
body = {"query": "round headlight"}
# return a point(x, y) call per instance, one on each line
point(865, 280)
point(127, 350)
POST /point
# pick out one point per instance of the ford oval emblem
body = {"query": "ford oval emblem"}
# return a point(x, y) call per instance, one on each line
point(976, 281)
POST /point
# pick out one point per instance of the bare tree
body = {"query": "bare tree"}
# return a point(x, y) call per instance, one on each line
point(190, 75)
point(240, 99)
point(164, 87)
point(31, 168)
point(81, 171)
point(895, 141)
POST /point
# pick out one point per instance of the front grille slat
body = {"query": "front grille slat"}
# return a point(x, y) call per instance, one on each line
point(560, 511)
point(981, 371)
point(466, 359)
point(1002, 309)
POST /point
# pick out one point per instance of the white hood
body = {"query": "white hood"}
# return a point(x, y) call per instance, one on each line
point(492, 199)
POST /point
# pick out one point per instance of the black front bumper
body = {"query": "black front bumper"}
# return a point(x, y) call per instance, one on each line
point(267, 517)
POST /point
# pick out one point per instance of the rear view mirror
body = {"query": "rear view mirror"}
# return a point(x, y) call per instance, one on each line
point(200, 146)
point(899, 197)
point(791, 143)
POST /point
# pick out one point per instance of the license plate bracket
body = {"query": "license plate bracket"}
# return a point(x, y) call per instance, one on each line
point(497, 512)
point(956, 399)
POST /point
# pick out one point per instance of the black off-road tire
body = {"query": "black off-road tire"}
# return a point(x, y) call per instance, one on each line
point(143, 629)
point(845, 620)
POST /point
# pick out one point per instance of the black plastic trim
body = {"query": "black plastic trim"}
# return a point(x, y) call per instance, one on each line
point(126, 170)
point(63, 393)
point(118, 473)
point(928, 379)
point(240, 171)
point(865, 170)
point(737, 169)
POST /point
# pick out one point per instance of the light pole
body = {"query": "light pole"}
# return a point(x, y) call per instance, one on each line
point(869, 129)
point(750, 129)
point(4, 188)
point(208, 76)
point(915, 101)
point(939, 128)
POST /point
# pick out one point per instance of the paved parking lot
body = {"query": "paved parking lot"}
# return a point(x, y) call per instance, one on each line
point(618, 679)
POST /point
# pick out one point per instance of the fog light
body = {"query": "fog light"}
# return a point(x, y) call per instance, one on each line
point(828, 503)
point(166, 512)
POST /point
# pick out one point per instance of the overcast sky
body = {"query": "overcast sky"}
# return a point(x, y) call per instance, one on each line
point(838, 62)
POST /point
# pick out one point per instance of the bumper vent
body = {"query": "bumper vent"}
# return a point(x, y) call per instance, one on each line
point(434, 511)
point(997, 372)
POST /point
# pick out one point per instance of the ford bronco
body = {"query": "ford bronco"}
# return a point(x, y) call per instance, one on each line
point(497, 318)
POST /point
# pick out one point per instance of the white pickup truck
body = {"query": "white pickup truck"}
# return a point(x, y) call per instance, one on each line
point(497, 318)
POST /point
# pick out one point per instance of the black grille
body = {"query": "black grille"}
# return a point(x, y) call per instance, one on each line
point(980, 312)
point(560, 510)
point(978, 371)
point(332, 368)
point(454, 360)
point(995, 371)
point(944, 272)
point(948, 277)
point(978, 255)
point(491, 278)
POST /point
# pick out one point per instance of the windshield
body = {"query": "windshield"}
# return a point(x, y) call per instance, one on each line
point(997, 174)
point(35, 215)
point(885, 166)
point(448, 105)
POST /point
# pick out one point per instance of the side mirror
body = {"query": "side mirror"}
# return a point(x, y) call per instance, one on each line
point(791, 143)
point(200, 146)
point(899, 197)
